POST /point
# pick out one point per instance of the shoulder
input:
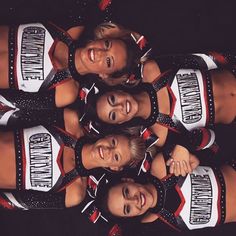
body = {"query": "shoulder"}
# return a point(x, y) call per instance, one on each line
point(72, 123)
point(158, 167)
point(150, 71)
point(75, 32)
point(66, 93)
point(76, 192)
point(161, 132)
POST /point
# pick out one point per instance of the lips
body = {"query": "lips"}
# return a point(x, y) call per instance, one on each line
point(143, 199)
point(128, 107)
point(101, 154)
point(91, 55)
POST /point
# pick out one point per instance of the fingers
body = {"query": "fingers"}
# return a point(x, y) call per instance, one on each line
point(168, 163)
point(180, 168)
point(183, 168)
point(175, 168)
point(172, 166)
point(188, 166)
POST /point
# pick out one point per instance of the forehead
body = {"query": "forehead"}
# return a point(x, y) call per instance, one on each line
point(124, 148)
point(103, 107)
point(119, 51)
point(103, 99)
point(115, 201)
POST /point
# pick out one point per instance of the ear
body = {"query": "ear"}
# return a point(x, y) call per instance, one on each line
point(128, 180)
point(103, 76)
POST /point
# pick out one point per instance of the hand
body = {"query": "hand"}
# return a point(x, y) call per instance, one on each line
point(180, 161)
point(179, 168)
point(108, 29)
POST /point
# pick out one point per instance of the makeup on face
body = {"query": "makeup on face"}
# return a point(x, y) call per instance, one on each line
point(129, 199)
point(112, 151)
point(103, 57)
point(118, 107)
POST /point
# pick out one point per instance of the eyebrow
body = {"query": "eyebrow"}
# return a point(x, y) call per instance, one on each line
point(112, 61)
point(109, 116)
point(123, 193)
point(112, 58)
point(108, 100)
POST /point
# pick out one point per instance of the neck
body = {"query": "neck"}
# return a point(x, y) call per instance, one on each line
point(144, 105)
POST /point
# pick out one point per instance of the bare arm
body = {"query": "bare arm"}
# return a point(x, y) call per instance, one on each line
point(151, 71)
point(75, 32)
point(158, 167)
point(76, 192)
point(182, 161)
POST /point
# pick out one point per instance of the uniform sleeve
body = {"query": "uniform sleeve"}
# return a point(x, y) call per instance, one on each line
point(204, 61)
point(25, 109)
point(25, 200)
point(194, 140)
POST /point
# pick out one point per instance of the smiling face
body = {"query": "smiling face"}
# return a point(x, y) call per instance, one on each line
point(104, 57)
point(130, 199)
point(112, 152)
point(117, 107)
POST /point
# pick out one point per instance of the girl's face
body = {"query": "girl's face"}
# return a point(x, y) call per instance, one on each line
point(112, 152)
point(104, 57)
point(116, 107)
point(130, 199)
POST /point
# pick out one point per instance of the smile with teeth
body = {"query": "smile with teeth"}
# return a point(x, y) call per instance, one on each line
point(143, 199)
point(128, 106)
point(91, 55)
point(101, 152)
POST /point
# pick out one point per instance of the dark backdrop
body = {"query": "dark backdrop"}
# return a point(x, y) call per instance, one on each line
point(170, 26)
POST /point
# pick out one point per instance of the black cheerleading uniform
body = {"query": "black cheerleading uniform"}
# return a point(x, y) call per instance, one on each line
point(203, 61)
point(191, 106)
point(192, 202)
point(187, 78)
point(33, 76)
point(191, 99)
point(40, 178)
point(31, 67)
point(39, 153)
point(25, 200)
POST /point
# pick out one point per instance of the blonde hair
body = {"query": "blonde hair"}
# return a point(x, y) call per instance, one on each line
point(137, 149)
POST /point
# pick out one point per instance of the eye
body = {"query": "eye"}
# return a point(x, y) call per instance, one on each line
point(108, 61)
point(116, 157)
point(107, 44)
point(126, 192)
point(113, 142)
point(113, 116)
point(127, 210)
point(112, 99)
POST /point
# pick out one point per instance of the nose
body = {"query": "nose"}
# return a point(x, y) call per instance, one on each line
point(107, 151)
point(100, 53)
point(120, 106)
point(133, 199)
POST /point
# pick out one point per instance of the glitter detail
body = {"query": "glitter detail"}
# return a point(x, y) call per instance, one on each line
point(64, 139)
